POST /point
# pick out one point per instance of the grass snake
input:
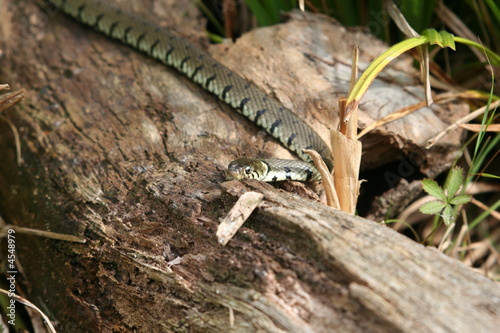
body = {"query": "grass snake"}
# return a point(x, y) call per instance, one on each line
point(241, 94)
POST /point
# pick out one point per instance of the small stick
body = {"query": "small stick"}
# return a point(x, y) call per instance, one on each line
point(42, 233)
point(240, 212)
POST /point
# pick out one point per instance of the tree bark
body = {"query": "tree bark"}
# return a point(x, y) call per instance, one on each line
point(129, 154)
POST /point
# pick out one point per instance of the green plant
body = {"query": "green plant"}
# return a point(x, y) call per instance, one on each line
point(447, 199)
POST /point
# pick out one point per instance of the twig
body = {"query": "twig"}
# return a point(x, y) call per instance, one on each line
point(240, 212)
point(9, 99)
point(42, 233)
point(455, 125)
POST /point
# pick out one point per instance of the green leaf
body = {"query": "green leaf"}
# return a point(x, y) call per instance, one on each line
point(494, 9)
point(455, 180)
point(494, 58)
point(263, 17)
point(376, 67)
point(442, 38)
point(433, 36)
point(448, 215)
point(448, 40)
point(461, 199)
point(484, 214)
point(432, 207)
point(431, 187)
point(489, 175)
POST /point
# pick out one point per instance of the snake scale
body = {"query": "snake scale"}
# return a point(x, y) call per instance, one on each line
point(242, 95)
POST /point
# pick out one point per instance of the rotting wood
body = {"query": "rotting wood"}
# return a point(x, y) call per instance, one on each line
point(415, 288)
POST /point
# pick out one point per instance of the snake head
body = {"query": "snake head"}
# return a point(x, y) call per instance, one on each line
point(246, 168)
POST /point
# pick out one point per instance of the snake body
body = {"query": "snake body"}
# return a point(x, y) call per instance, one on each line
point(242, 95)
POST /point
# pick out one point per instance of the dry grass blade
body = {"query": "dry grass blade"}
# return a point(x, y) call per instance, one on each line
point(477, 251)
point(455, 125)
point(16, 139)
point(399, 19)
point(423, 52)
point(9, 99)
point(481, 205)
point(462, 237)
point(457, 26)
point(332, 199)
point(479, 127)
point(42, 233)
point(492, 259)
point(415, 107)
point(392, 117)
point(6, 101)
point(411, 214)
point(445, 241)
point(24, 301)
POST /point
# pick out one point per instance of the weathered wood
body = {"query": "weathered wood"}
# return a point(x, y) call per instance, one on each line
point(129, 154)
point(413, 288)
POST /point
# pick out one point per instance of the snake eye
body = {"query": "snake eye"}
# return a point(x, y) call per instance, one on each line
point(248, 170)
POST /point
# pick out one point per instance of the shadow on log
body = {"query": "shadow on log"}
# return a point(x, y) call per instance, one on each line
point(128, 154)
